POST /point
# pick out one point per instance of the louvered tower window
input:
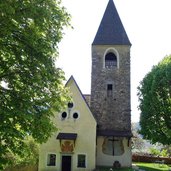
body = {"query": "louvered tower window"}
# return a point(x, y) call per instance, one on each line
point(110, 60)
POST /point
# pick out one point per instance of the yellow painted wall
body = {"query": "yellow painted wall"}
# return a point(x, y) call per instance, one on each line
point(84, 126)
point(107, 160)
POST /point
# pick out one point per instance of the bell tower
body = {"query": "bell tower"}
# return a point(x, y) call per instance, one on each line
point(110, 91)
point(110, 79)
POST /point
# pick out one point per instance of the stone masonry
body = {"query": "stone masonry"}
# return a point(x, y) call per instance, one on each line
point(112, 113)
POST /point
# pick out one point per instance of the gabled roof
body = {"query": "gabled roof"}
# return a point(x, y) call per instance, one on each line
point(111, 30)
point(72, 79)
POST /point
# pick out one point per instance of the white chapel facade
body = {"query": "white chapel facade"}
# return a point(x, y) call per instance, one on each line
point(95, 130)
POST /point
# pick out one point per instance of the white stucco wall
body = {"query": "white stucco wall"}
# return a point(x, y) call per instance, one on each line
point(107, 160)
point(84, 126)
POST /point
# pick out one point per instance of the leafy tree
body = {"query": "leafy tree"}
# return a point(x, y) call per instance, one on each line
point(30, 85)
point(155, 103)
point(29, 155)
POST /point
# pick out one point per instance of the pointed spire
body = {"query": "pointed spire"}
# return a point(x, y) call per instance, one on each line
point(111, 30)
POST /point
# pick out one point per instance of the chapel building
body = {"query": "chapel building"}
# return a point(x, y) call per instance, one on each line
point(95, 130)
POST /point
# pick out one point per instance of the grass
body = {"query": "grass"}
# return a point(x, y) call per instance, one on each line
point(108, 169)
point(144, 166)
point(152, 166)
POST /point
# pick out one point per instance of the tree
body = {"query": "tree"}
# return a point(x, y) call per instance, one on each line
point(155, 103)
point(29, 155)
point(31, 88)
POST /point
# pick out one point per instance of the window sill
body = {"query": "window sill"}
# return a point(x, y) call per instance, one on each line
point(81, 167)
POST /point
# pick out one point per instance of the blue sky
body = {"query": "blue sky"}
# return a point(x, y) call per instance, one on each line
point(148, 26)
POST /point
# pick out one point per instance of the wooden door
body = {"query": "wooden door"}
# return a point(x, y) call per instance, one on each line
point(66, 163)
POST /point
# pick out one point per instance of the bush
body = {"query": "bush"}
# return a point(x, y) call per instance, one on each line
point(29, 156)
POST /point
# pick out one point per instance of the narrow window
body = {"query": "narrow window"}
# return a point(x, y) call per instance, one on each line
point(109, 90)
point(81, 161)
point(51, 160)
point(110, 60)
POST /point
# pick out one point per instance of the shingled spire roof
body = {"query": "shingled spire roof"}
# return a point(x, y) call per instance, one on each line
point(111, 30)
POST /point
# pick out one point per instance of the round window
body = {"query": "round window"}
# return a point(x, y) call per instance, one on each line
point(64, 115)
point(75, 115)
point(70, 105)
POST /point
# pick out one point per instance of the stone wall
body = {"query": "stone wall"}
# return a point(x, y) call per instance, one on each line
point(111, 112)
point(150, 159)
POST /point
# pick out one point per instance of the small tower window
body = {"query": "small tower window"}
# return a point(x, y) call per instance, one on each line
point(109, 90)
point(110, 60)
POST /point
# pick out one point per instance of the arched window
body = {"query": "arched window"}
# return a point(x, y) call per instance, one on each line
point(110, 60)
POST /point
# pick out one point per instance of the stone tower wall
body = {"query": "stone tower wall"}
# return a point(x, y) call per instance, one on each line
point(112, 113)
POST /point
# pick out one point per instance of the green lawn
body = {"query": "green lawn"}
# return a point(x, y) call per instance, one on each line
point(108, 169)
point(144, 166)
point(153, 166)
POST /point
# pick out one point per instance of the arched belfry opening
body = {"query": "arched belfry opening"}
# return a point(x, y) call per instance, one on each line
point(110, 60)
